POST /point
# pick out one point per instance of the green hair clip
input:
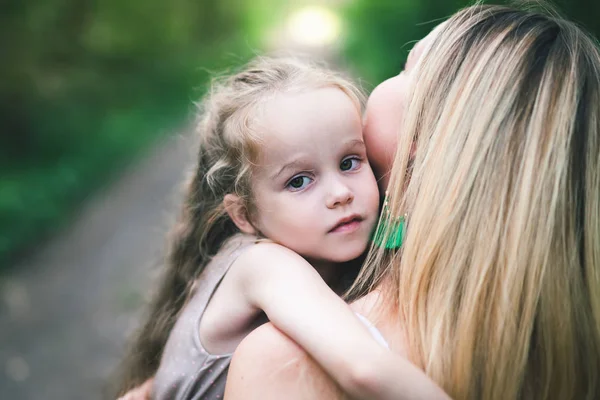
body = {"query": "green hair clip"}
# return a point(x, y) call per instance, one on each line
point(389, 223)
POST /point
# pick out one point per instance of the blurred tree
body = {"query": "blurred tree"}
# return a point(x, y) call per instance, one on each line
point(85, 83)
point(585, 12)
point(62, 50)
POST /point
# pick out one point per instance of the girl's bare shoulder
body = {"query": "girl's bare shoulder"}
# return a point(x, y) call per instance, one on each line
point(264, 257)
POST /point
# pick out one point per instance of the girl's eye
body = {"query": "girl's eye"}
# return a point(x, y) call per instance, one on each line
point(350, 164)
point(299, 182)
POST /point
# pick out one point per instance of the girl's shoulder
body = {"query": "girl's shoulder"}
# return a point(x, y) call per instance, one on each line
point(264, 259)
point(245, 249)
point(235, 245)
point(239, 252)
point(266, 252)
point(220, 263)
point(239, 240)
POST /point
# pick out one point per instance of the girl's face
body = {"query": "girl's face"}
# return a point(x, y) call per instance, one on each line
point(385, 112)
point(314, 189)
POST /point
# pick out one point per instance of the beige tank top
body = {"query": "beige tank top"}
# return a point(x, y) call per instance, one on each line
point(187, 370)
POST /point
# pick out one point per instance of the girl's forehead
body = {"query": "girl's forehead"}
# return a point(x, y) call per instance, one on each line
point(307, 124)
point(313, 114)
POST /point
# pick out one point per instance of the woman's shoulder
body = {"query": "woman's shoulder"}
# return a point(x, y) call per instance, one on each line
point(267, 364)
point(269, 342)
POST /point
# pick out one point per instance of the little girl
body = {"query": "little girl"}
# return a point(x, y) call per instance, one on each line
point(281, 199)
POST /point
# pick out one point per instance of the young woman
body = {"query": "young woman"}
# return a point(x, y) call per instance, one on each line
point(495, 293)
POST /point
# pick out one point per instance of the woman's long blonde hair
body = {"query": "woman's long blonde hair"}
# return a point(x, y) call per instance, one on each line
point(498, 281)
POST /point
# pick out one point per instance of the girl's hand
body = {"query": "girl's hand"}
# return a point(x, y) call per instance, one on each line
point(142, 392)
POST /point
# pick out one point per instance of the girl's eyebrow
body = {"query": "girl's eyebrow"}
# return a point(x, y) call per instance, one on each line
point(301, 162)
point(295, 164)
point(356, 143)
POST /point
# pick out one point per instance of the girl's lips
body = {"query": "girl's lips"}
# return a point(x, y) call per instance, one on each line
point(347, 227)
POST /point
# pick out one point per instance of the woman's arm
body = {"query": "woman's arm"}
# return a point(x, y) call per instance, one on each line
point(299, 303)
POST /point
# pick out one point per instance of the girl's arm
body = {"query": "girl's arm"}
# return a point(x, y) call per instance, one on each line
point(268, 365)
point(297, 301)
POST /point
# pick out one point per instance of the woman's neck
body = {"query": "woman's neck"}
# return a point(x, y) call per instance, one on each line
point(377, 307)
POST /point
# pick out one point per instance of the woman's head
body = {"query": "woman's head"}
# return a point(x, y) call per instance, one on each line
point(498, 281)
point(385, 112)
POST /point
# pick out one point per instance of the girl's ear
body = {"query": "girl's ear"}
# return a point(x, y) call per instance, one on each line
point(237, 212)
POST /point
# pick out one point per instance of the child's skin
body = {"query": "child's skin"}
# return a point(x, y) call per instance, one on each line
point(316, 199)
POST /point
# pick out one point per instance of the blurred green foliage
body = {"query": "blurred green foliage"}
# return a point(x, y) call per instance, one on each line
point(86, 84)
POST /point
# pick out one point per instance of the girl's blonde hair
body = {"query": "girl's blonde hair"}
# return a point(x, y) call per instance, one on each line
point(498, 281)
point(228, 147)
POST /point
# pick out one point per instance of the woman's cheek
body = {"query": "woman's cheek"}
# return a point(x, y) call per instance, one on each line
point(383, 119)
point(380, 150)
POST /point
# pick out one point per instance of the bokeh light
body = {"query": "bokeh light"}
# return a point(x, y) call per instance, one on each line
point(314, 26)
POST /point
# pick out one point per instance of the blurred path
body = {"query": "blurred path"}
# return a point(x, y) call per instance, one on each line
point(66, 312)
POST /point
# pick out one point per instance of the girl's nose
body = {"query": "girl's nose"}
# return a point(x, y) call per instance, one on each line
point(339, 195)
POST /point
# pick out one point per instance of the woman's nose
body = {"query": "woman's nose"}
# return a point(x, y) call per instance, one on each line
point(339, 195)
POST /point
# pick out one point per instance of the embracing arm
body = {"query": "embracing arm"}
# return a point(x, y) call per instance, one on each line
point(269, 365)
point(299, 303)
